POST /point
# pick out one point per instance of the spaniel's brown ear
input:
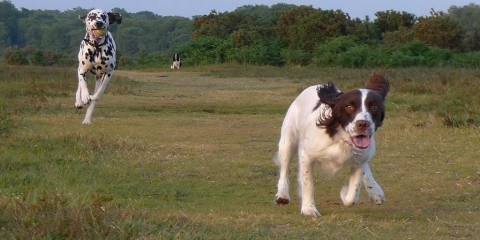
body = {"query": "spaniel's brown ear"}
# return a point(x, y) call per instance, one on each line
point(328, 93)
point(379, 84)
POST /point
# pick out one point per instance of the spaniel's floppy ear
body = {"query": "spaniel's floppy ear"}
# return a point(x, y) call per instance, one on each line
point(114, 17)
point(328, 93)
point(379, 84)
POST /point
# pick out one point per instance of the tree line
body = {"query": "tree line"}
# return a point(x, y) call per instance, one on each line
point(303, 35)
point(49, 37)
point(253, 34)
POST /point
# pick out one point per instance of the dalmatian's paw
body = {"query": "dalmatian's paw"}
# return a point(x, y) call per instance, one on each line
point(86, 98)
point(79, 105)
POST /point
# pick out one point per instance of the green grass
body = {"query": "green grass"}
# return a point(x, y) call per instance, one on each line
point(188, 155)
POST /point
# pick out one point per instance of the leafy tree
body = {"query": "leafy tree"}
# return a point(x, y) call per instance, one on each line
point(401, 36)
point(439, 30)
point(468, 17)
point(304, 27)
point(8, 24)
point(149, 32)
point(244, 37)
point(260, 19)
point(4, 35)
point(211, 25)
point(62, 31)
point(367, 31)
point(264, 19)
point(390, 20)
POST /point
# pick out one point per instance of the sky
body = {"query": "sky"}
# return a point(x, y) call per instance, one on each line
point(190, 8)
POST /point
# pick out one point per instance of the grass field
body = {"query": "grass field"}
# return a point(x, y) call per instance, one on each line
point(188, 155)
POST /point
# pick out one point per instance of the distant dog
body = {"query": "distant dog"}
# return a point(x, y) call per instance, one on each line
point(176, 62)
point(335, 129)
point(97, 55)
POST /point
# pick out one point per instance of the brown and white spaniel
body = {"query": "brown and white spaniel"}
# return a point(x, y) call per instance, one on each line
point(335, 129)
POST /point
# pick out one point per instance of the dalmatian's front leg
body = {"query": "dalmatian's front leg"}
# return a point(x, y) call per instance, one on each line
point(82, 95)
point(78, 96)
point(101, 85)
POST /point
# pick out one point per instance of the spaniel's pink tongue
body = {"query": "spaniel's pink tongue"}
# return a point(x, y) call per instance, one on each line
point(361, 141)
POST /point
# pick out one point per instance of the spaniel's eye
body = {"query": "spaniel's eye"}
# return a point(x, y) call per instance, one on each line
point(374, 108)
point(349, 107)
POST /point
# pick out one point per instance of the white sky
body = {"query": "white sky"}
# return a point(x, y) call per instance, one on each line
point(189, 8)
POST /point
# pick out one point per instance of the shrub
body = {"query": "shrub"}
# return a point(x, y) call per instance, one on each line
point(407, 55)
point(469, 59)
point(360, 56)
point(208, 50)
point(275, 55)
point(417, 53)
point(252, 54)
point(399, 59)
point(298, 57)
point(15, 56)
point(327, 54)
point(267, 53)
point(33, 56)
point(438, 57)
point(37, 58)
point(152, 60)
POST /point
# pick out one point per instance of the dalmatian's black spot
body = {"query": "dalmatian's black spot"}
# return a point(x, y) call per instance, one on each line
point(109, 51)
point(104, 17)
point(91, 54)
point(92, 16)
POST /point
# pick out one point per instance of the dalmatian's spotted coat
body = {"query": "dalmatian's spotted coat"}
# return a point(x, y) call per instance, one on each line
point(97, 55)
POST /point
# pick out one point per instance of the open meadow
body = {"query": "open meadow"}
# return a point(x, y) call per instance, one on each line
point(188, 155)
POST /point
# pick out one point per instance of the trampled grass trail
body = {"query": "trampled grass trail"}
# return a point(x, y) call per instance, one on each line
point(188, 154)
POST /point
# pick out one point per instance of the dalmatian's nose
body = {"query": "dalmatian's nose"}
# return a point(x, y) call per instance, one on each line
point(99, 24)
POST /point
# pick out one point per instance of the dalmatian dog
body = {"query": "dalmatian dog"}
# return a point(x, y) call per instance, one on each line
point(176, 62)
point(97, 55)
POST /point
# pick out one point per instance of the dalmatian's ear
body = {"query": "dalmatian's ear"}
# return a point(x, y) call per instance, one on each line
point(114, 17)
point(82, 18)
